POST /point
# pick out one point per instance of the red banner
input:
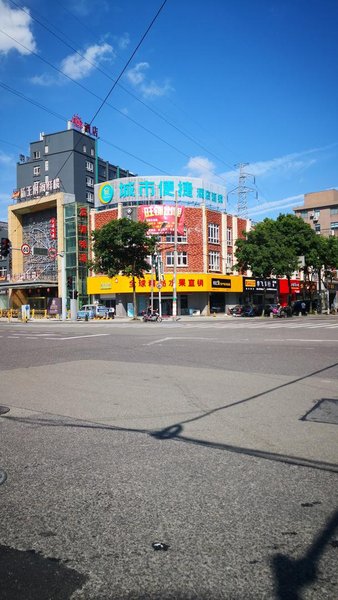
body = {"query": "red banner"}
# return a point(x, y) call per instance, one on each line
point(161, 218)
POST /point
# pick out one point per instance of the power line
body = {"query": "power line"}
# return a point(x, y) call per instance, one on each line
point(95, 66)
point(112, 88)
point(63, 118)
point(130, 59)
point(103, 101)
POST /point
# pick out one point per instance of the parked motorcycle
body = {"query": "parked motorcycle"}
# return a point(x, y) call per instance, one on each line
point(154, 316)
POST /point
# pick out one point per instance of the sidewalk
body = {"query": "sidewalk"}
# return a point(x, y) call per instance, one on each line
point(186, 318)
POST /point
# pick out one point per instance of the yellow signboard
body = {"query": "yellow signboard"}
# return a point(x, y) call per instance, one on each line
point(185, 283)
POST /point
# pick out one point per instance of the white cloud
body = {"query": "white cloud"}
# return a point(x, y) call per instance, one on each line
point(6, 159)
point(45, 79)
point(137, 77)
point(200, 166)
point(78, 67)
point(280, 166)
point(275, 205)
point(17, 24)
point(123, 41)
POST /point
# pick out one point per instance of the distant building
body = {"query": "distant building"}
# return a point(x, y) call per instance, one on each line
point(320, 210)
point(65, 161)
point(4, 268)
point(206, 238)
point(50, 214)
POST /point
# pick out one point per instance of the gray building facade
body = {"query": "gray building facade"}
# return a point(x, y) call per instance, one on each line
point(65, 161)
point(4, 267)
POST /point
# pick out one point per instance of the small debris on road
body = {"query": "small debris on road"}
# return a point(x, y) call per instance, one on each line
point(160, 546)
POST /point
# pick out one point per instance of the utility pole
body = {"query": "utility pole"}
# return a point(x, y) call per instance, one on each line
point(175, 264)
point(242, 190)
point(63, 285)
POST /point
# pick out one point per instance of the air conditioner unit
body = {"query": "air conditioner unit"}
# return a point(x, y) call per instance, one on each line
point(315, 219)
point(311, 214)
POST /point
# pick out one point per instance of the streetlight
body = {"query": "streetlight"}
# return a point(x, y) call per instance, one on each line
point(175, 264)
point(62, 255)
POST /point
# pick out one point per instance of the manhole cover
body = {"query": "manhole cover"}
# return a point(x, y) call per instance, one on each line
point(324, 411)
point(4, 409)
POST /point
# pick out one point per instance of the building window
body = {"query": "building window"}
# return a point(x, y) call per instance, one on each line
point(334, 225)
point(36, 154)
point(181, 239)
point(213, 233)
point(36, 171)
point(229, 236)
point(89, 181)
point(229, 262)
point(334, 211)
point(182, 259)
point(46, 178)
point(89, 166)
point(46, 149)
point(3, 272)
point(84, 148)
point(46, 165)
point(89, 196)
point(214, 261)
point(92, 152)
point(303, 214)
point(317, 228)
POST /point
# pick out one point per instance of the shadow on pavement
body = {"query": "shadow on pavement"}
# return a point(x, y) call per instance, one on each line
point(293, 575)
point(26, 575)
point(174, 431)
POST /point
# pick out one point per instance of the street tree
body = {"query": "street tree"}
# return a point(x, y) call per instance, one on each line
point(123, 246)
point(273, 248)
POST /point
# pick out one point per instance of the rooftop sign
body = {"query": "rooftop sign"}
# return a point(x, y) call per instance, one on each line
point(191, 191)
point(77, 123)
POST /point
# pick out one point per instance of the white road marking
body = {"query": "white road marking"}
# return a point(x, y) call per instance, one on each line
point(77, 337)
point(300, 340)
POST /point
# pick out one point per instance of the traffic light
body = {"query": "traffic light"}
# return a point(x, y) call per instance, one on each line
point(5, 247)
point(69, 283)
point(75, 294)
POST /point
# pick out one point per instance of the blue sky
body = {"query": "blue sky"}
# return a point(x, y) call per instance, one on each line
point(214, 84)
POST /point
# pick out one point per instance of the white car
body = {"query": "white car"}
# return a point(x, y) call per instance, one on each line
point(89, 311)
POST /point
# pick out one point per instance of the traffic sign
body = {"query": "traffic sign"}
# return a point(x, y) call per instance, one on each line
point(25, 249)
point(52, 252)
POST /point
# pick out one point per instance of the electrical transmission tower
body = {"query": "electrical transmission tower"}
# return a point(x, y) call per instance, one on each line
point(243, 190)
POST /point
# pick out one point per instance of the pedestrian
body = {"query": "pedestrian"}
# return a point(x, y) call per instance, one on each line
point(112, 312)
point(303, 308)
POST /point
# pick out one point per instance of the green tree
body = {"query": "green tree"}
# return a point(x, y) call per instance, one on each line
point(122, 246)
point(273, 247)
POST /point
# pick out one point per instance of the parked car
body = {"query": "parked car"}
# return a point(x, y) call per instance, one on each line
point(90, 311)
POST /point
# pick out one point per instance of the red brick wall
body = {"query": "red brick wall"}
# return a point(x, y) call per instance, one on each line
point(103, 217)
point(193, 220)
point(241, 226)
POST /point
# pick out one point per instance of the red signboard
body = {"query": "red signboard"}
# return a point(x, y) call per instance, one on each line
point(83, 235)
point(52, 228)
point(284, 286)
point(161, 218)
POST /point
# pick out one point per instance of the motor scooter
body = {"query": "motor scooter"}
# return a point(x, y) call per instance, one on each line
point(154, 316)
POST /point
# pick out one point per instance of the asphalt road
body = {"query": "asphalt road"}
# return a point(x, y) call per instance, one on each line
point(215, 437)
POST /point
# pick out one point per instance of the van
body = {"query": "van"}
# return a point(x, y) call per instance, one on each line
point(90, 311)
